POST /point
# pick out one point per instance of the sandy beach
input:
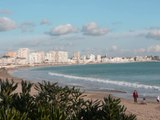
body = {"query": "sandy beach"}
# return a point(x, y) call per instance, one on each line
point(148, 111)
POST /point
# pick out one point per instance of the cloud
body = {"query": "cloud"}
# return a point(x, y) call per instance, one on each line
point(140, 50)
point(154, 48)
point(27, 27)
point(44, 22)
point(62, 30)
point(43, 42)
point(154, 34)
point(93, 30)
point(114, 48)
point(6, 12)
point(6, 24)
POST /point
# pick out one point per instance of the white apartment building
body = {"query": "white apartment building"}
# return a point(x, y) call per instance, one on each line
point(76, 56)
point(117, 59)
point(50, 57)
point(61, 57)
point(7, 61)
point(92, 58)
point(21, 61)
point(143, 58)
point(98, 58)
point(105, 59)
point(84, 57)
point(89, 59)
point(23, 53)
point(36, 57)
point(56, 57)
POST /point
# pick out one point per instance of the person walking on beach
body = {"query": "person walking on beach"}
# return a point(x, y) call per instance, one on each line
point(135, 96)
point(158, 99)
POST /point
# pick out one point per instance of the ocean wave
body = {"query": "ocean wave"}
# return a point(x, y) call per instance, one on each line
point(107, 81)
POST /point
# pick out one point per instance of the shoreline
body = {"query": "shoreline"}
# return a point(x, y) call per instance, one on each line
point(10, 67)
point(117, 92)
point(148, 111)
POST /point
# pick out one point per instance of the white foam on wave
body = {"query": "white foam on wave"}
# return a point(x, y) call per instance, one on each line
point(106, 81)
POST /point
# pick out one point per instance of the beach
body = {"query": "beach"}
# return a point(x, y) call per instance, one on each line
point(148, 111)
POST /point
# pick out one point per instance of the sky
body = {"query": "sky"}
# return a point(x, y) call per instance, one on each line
point(112, 27)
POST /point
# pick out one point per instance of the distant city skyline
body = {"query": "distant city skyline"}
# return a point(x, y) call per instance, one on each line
point(24, 56)
point(115, 28)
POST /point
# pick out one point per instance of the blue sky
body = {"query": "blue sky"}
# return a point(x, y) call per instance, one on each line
point(113, 27)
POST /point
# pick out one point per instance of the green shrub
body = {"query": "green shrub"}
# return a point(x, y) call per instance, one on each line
point(53, 102)
point(12, 114)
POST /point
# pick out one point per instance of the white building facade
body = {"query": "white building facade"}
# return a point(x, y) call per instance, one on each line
point(50, 57)
point(36, 57)
point(61, 57)
point(23, 53)
point(56, 57)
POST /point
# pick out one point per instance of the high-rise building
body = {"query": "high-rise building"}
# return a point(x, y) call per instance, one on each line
point(23, 53)
point(36, 57)
point(50, 57)
point(76, 56)
point(98, 58)
point(57, 57)
point(61, 57)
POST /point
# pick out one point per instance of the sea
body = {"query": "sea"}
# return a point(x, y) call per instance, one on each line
point(120, 78)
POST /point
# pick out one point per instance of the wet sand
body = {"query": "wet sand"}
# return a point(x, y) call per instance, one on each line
point(148, 111)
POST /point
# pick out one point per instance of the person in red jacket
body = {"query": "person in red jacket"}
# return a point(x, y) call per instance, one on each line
point(135, 96)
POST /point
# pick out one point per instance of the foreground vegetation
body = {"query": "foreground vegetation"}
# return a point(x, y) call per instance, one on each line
point(54, 102)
